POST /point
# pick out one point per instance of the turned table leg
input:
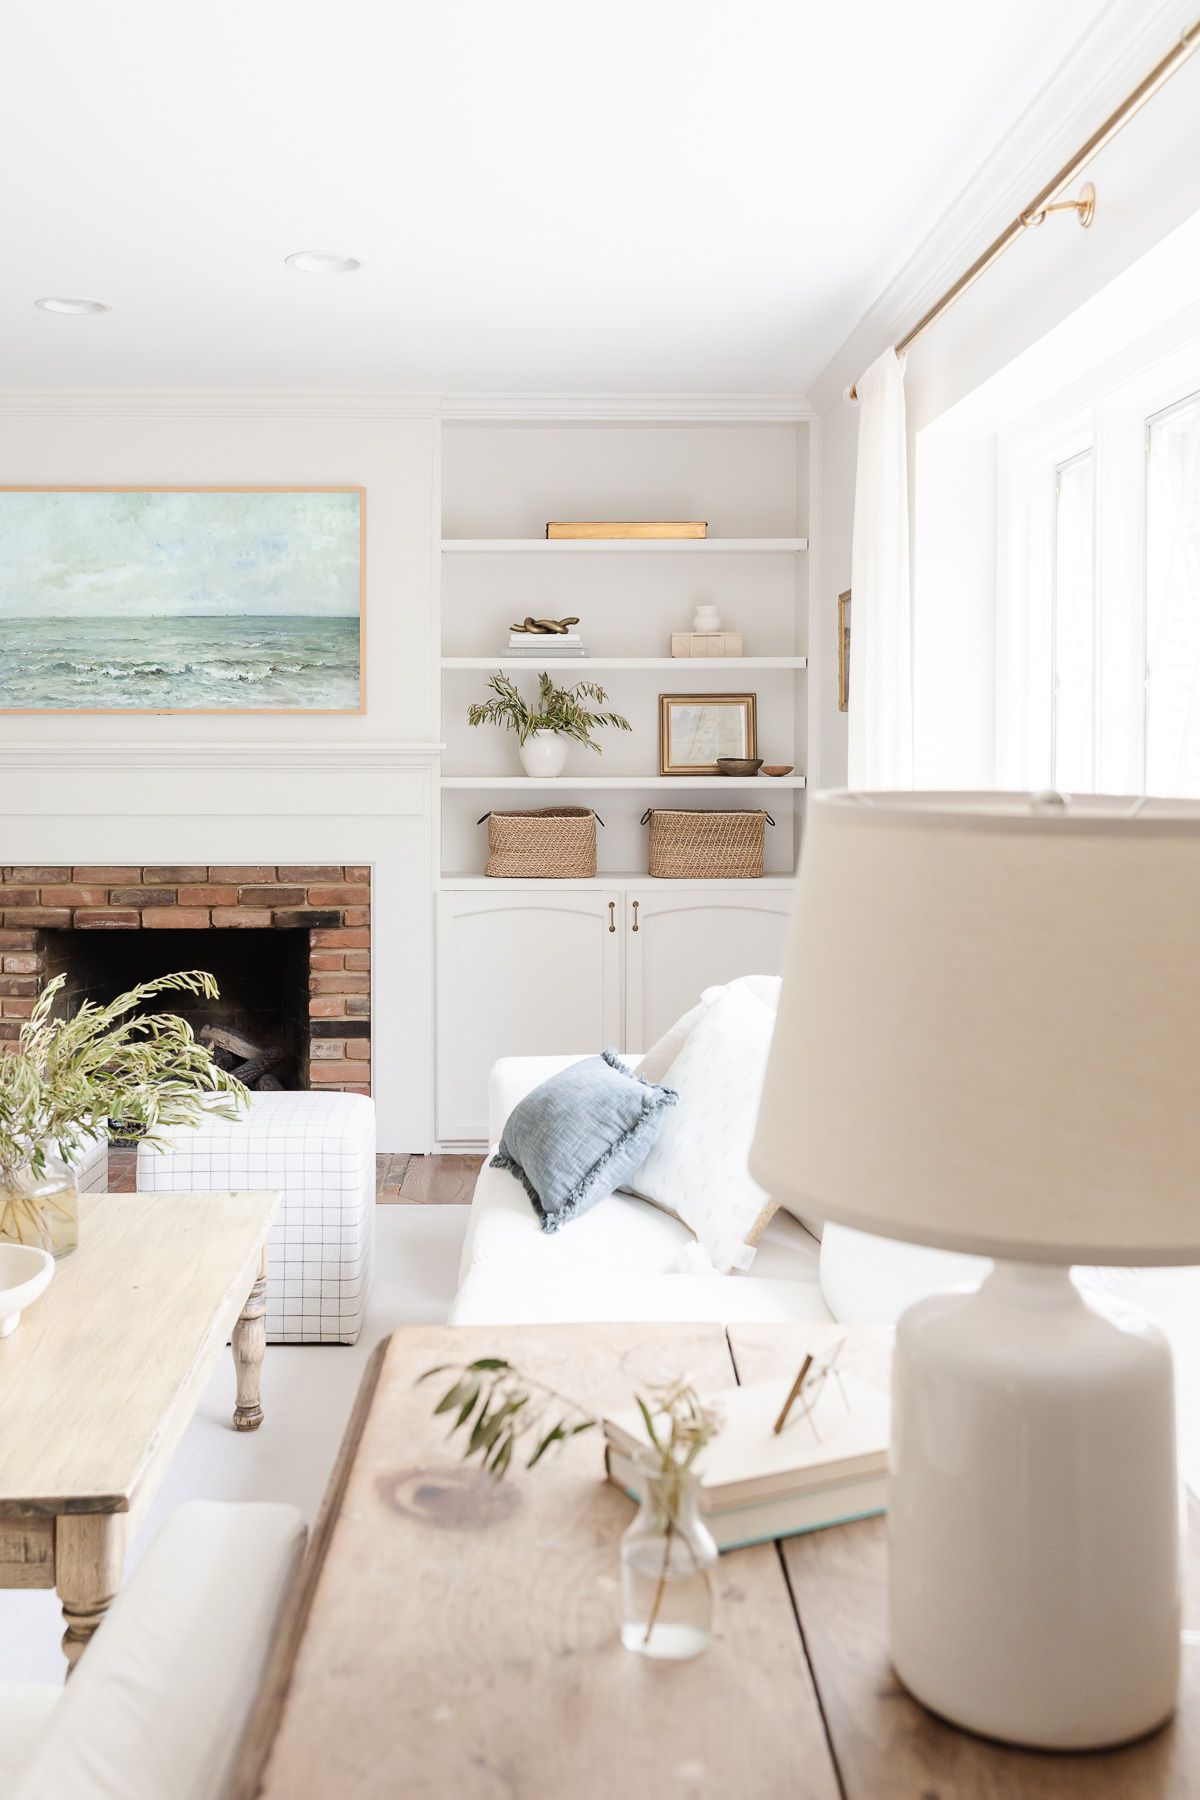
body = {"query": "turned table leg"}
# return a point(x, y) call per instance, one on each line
point(249, 1343)
point(89, 1555)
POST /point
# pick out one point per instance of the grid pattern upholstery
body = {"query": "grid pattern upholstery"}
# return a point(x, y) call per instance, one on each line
point(319, 1151)
point(91, 1165)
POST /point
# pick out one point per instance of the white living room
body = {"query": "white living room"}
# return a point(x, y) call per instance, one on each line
point(599, 1006)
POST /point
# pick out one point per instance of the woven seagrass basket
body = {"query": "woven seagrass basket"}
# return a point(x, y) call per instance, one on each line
point(726, 845)
point(550, 841)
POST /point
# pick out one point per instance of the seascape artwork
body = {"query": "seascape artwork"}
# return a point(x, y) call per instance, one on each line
point(207, 600)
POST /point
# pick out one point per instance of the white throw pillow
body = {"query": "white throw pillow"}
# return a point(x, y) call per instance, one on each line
point(661, 1056)
point(699, 1168)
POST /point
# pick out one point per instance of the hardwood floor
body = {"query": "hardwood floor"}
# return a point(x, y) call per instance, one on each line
point(400, 1180)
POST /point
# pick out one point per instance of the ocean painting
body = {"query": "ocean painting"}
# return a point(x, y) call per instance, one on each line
point(156, 601)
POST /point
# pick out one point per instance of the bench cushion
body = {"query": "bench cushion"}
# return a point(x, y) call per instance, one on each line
point(157, 1704)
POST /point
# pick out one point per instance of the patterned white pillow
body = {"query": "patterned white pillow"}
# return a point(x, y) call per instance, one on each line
point(699, 1169)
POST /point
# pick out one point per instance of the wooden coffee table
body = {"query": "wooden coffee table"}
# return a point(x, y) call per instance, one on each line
point(455, 1639)
point(102, 1376)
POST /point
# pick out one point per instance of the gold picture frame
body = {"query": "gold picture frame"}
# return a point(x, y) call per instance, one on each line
point(694, 729)
point(844, 651)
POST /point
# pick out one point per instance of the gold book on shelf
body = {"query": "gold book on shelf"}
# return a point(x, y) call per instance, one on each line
point(627, 528)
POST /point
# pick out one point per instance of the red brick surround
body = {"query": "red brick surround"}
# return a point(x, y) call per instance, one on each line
point(331, 901)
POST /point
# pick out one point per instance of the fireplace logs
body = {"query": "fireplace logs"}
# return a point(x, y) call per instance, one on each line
point(251, 1063)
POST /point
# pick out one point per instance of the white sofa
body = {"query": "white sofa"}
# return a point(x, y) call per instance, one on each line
point(616, 1263)
point(158, 1703)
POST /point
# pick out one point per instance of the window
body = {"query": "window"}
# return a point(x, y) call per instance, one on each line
point(1173, 599)
point(1099, 602)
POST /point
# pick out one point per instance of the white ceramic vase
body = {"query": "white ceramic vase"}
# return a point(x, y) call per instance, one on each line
point(544, 755)
point(706, 618)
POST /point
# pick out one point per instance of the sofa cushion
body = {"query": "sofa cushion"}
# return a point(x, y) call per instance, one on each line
point(577, 1136)
point(615, 1263)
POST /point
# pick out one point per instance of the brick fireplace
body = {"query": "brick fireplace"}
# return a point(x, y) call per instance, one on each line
point(324, 964)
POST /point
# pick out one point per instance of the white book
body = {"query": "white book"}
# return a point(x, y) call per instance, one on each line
point(757, 1522)
point(827, 1465)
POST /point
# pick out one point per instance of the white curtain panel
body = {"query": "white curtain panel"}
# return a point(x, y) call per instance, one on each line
point(881, 735)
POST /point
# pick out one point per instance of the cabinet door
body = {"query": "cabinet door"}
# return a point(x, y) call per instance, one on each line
point(535, 974)
point(677, 944)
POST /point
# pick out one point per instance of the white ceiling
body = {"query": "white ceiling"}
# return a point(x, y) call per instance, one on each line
point(663, 195)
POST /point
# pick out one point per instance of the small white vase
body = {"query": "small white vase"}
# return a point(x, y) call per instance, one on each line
point(707, 617)
point(544, 754)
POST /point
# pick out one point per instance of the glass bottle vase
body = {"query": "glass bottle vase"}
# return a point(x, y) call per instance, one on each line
point(667, 1558)
point(42, 1210)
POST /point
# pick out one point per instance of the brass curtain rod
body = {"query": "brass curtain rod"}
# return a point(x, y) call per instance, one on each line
point(1033, 214)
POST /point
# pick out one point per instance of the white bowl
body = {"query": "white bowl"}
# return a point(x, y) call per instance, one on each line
point(24, 1274)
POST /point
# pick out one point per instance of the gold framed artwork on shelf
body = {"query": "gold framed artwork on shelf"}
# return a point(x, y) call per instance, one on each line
point(844, 651)
point(694, 730)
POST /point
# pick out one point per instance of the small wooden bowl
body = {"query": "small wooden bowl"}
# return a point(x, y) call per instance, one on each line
point(778, 768)
point(739, 765)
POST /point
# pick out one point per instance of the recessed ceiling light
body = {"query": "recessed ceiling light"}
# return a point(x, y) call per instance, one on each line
point(322, 262)
point(59, 304)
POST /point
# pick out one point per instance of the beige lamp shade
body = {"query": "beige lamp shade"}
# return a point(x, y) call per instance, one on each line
point(989, 1027)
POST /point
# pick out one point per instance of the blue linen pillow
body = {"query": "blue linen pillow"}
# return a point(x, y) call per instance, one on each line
point(578, 1136)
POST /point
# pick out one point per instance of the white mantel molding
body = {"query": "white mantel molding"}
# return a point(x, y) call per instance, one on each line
point(194, 758)
point(453, 408)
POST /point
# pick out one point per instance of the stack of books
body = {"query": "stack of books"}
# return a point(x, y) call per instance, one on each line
point(821, 1469)
point(545, 643)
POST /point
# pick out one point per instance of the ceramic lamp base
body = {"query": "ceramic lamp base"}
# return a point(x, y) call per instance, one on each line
point(1034, 1513)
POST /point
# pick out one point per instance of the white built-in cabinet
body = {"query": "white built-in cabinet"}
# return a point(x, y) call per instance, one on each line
point(553, 967)
point(557, 970)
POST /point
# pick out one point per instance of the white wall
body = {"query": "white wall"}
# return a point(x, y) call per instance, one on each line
point(241, 787)
point(1148, 183)
point(167, 441)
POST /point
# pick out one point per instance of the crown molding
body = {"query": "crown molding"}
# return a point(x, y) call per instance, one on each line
point(455, 408)
point(1115, 54)
point(647, 408)
point(200, 758)
point(218, 405)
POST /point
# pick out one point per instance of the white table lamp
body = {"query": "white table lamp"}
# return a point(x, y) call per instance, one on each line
point(989, 1040)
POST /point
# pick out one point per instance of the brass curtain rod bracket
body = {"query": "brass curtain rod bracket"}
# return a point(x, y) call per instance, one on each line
point(1042, 204)
point(1084, 207)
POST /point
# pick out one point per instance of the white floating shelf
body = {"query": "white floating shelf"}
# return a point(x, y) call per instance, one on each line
point(681, 665)
point(475, 883)
point(634, 783)
point(772, 546)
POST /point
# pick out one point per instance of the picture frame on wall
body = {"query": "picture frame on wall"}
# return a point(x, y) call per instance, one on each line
point(844, 651)
point(695, 729)
point(182, 599)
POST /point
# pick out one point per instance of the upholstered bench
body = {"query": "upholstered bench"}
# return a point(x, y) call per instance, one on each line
point(319, 1151)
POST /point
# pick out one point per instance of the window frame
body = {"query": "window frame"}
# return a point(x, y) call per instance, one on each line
point(1110, 414)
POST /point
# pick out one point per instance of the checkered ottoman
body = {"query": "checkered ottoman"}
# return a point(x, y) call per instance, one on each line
point(319, 1151)
point(91, 1165)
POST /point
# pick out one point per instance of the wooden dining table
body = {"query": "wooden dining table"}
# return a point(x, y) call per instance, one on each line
point(457, 1637)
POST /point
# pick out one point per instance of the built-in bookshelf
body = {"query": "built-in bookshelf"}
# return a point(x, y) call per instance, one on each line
point(752, 480)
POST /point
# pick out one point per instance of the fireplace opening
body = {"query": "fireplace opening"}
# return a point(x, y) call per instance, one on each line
point(260, 1022)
